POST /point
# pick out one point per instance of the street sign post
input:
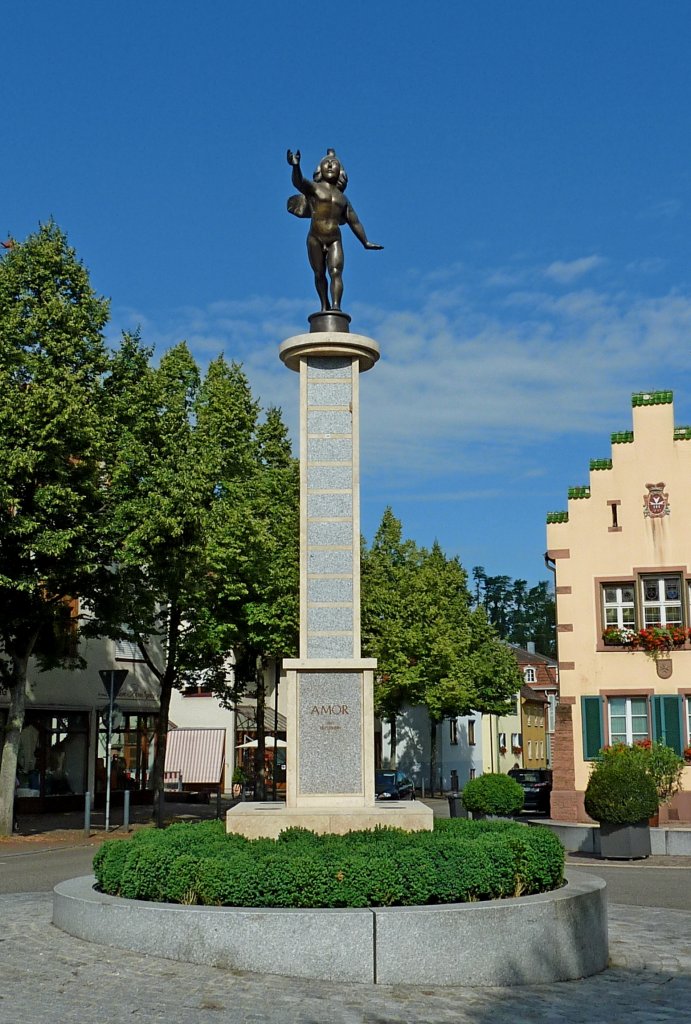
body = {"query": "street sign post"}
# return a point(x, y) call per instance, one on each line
point(112, 679)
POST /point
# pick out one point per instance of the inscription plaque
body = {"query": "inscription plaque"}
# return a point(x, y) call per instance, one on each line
point(330, 732)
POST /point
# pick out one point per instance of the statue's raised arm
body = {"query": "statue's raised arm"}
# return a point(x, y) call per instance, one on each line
point(323, 201)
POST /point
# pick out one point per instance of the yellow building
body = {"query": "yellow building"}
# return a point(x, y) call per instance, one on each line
point(622, 554)
point(533, 728)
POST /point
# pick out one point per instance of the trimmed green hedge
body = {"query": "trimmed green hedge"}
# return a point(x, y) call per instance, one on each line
point(460, 861)
point(493, 793)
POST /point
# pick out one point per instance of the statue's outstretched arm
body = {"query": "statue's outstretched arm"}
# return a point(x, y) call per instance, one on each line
point(356, 227)
point(301, 183)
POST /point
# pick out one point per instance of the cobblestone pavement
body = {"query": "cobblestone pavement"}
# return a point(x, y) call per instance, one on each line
point(47, 975)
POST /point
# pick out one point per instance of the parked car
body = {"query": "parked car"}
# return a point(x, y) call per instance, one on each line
point(537, 786)
point(393, 785)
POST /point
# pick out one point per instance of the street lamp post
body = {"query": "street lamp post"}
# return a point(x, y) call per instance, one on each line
point(112, 679)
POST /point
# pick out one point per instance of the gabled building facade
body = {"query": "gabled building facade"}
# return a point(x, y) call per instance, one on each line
point(622, 556)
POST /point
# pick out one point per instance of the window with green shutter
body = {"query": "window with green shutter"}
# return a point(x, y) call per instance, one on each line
point(591, 714)
point(667, 721)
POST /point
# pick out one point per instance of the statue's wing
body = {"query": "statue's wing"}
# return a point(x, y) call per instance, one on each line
point(298, 206)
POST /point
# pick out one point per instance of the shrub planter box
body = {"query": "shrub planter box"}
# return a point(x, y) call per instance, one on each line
point(625, 842)
point(552, 936)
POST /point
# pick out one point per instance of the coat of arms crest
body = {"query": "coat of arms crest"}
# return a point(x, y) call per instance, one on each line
point(656, 501)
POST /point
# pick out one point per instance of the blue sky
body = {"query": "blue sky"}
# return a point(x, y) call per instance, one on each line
point(527, 167)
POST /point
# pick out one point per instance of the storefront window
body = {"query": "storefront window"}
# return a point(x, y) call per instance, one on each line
point(52, 756)
point(132, 752)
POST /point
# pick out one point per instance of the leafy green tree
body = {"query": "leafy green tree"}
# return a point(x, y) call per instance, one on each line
point(187, 518)
point(432, 648)
point(389, 619)
point(463, 664)
point(52, 358)
point(270, 616)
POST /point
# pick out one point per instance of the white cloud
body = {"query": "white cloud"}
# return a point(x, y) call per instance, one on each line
point(566, 271)
point(479, 383)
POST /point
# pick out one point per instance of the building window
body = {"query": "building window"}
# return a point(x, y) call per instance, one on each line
point(52, 754)
point(453, 732)
point(472, 773)
point(688, 720)
point(127, 650)
point(628, 719)
point(661, 601)
point(530, 750)
point(502, 742)
point(530, 675)
point(618, 605)
point(133, 744)
point(471, 732)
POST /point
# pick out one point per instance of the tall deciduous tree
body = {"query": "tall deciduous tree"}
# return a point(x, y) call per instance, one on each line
point(390, 620)
point(269, 618)
point(190, 484)
point(435, 650)
point(52, 359)
point(177, 523)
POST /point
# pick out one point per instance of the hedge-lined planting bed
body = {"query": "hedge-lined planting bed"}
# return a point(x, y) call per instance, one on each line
point(460, 861)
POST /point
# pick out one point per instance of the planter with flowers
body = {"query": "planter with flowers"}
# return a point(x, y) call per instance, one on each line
point(654, 640)
point(517, 750)
point(687, 755)
point(615, 636)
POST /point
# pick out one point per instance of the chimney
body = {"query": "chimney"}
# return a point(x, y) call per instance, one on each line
point(530, 647)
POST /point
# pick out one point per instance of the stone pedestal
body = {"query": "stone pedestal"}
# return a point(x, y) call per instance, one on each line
point(330, 734)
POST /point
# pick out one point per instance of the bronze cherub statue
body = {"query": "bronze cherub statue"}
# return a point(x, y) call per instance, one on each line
point(322, 200)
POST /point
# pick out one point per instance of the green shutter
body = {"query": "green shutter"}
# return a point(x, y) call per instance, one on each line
point(667, 721)
point(591, 714)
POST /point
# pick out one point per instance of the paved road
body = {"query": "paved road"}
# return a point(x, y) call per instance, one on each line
point(46, 975)
point(41, 870)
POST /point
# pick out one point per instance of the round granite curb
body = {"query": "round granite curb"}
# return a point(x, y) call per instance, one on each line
point(555, 936)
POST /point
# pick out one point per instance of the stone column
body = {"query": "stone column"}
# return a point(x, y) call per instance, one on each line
point(329, 687)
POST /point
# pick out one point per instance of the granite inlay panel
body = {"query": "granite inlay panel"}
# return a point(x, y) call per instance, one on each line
point(330, 732)
point(329, 367)
point(339, 478)
point(330, 646)
point(330, 619)
point(327, 393)
point(329, 590)
point(323, 506)
point(330, 449)
point(320, 562)
point(322, 533)
point(323, 421)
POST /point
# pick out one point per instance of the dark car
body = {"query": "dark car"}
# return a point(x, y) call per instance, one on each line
point(537, 786)
point(393, 785)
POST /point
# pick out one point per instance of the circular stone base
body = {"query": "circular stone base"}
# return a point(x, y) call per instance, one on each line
point(533, 940)
point(330, 344)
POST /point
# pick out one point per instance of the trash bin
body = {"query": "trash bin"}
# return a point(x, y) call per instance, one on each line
point(454, 802)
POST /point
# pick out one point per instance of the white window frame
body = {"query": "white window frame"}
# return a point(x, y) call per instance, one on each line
point(671, 611)
point(624, 616)
point(529, 674)
point(628, 736)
